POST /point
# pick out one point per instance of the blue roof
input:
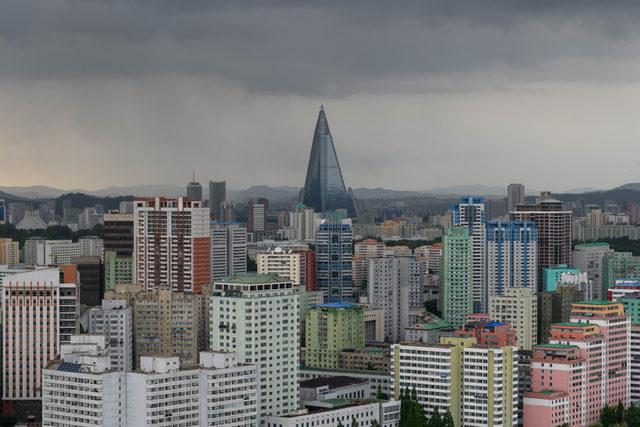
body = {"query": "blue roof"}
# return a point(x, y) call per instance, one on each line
point(493, 324)
point(337, 305)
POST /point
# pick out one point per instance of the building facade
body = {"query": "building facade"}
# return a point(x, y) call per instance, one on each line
point(588, 258)
point(395, 286)
point(512, 256)
point(456, 276)
point(228, 249)
point(470, 213)
point(329, 329)
point(257, 316)
point(333, 260)
point(118, 250)
point(172, 244)
point(519, 308)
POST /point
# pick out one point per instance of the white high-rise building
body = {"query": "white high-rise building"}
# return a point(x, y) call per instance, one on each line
point(55, 252)
point(172, 244)
point(256, 315)
point(114, 319)
point(395, 285)
point(519, 308)
point(478, 385)
point(512, 256)
point(32, 324)
point(287, 265)
point(470, 213)
point(228, 250)
point(587, 258)
point(81, 389)
point(303, 223)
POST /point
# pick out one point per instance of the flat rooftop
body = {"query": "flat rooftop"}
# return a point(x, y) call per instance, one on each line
point(332, 382)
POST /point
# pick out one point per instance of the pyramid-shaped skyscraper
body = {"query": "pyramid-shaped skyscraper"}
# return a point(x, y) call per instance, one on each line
point(324, 188)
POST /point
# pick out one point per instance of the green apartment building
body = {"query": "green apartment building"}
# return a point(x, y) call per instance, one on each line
point(117, 270)
point(456, 276)
point(331, 328)
point(619, 265)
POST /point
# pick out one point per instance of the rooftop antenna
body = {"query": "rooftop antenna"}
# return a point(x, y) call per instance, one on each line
point(194, 176)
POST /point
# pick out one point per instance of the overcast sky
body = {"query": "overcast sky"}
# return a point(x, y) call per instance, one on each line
point(417, 94)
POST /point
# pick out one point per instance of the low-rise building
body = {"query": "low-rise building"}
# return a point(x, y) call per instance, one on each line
point(335, 411)
point(338, 387)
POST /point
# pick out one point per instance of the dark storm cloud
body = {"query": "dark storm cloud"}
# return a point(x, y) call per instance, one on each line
point(309, 47)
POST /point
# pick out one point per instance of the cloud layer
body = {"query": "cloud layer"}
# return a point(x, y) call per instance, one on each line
point(425, 94)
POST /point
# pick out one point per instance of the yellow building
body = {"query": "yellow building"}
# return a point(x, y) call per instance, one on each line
point(9, 252)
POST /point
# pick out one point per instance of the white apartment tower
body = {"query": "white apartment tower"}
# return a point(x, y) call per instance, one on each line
point(32, 320)
point(171, 244)
point(470, 213)
point(114, 319)
point(395, 286)
point(228, 249)
point(256, 315)
point(82, 389)
point(288, 265)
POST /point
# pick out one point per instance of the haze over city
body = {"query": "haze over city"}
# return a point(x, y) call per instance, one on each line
point(429, 94)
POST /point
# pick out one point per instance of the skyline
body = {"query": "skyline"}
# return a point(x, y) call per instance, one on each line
point(123, 91)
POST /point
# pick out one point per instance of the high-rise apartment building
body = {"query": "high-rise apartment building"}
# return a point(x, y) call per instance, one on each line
point(82, 388)
point(303, 222)
point(3, 212)
point(228, 249)
point(329, 329)
point(288, 265)
point(9, 252)
point(118, 250)
point(555, 307)
point(194, 189)
point(619, 265)
point(362, 251)
point(257, 215)
point(333, 260)
point(324, 188)
point(217, 195)
point(431, 255)
point(90, 279)
point(395, 286)
point(585, 367)
point(634, 365)
point(588, 258)
point(515, 196)
point(456, 276)
point(256, 316)
point(512, 255)
point(168, 323)
point(36, 311)
point(477, 384)
point(172, 244)
point(554, 231)
point(114, 320)
point(519, 308)
point(469, 213)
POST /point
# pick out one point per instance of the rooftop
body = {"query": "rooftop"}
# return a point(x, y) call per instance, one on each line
point(253, 279)
point(554, 346)
point(578, 324)
point(332, 382)
point(337, 305)
point(596, 302)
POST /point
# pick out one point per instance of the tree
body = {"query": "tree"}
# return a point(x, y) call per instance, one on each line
point(620, 412)
point(7, 421)
point(436, 419)
point(380, 395)
point(375, 423)
point(340, 424)
point(608, 416)
point(447, 421)
point(632, 416)
point(354, 423)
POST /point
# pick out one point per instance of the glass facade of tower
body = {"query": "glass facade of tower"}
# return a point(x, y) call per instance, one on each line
point(333, 260)
point(324, 188)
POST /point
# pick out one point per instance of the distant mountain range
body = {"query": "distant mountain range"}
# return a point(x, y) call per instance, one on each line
point(277, 193)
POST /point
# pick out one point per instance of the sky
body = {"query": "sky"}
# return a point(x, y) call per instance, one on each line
point(418, 94)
